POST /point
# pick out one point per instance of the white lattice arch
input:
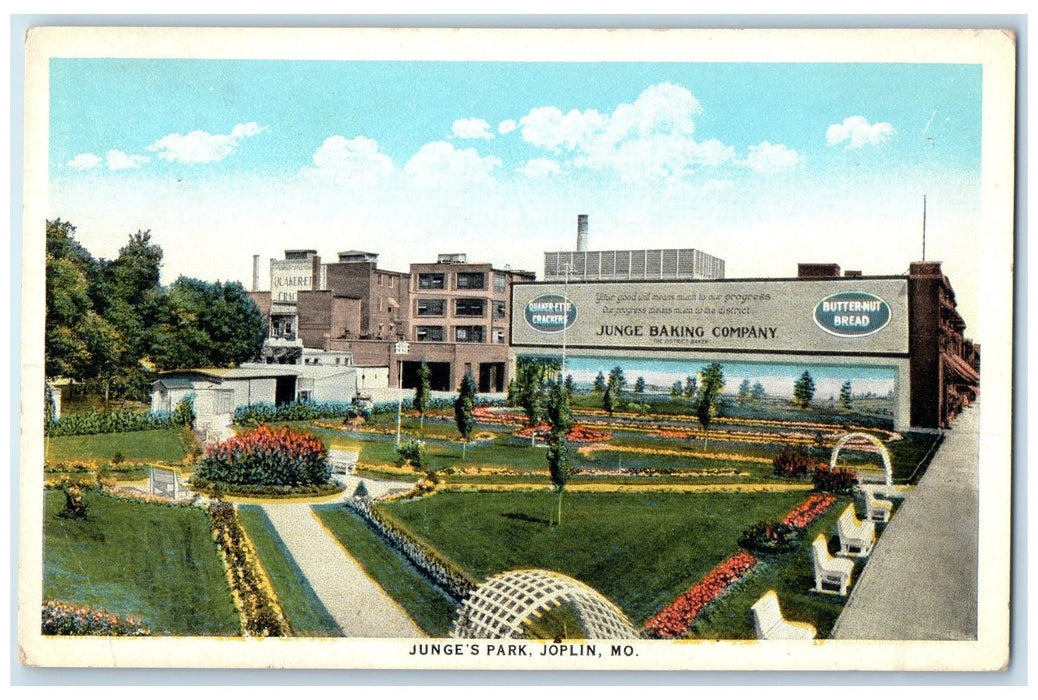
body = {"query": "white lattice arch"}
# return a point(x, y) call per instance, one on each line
point(888, 470)
point(500, 606)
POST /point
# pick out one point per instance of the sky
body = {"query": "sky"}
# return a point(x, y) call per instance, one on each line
point(763, 165)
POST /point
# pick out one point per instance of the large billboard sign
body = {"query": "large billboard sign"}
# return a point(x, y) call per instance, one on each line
point(837, 315)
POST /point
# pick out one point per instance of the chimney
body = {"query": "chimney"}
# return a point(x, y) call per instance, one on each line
point(255, 273)
point(581, 232)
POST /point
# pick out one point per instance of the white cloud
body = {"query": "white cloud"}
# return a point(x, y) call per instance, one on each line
point(857, 132)
point(471, 129)
point(539, 167)
point(85, 161)
point(201, 146)
point(440, 163)
point(355, 160)
point(117, 160)
point(651, 137)
point(507, 126)
point(769, 158)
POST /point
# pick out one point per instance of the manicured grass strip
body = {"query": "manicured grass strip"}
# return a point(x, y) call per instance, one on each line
point(433, 611)
point(156, 562)
point(791, 575)
point(639, 549)
point(302, 607)
point(166, 445)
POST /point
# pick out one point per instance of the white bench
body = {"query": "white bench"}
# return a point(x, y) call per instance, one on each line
point(876, 509)
point(830, 570)
point(769, 623)
point(856, 537)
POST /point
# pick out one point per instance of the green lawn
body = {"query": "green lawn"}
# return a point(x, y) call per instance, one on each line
point(167, 445)
point(157, 562)
point(301, 606)
point(641, 550)
point(791, 576)
point(433, 612)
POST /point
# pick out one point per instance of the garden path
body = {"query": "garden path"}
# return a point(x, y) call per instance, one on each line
point(360, 606)
point(921, 579)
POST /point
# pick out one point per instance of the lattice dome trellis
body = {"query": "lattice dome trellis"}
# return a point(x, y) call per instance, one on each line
point(888, 470)
point(500, 606)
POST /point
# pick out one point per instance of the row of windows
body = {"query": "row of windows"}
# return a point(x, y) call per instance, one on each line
point(462, 307)
point(462, 334)
point(463, 280)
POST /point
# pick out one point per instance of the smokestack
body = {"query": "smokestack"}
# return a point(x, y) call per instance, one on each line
point(581, 232)
point(255, 273)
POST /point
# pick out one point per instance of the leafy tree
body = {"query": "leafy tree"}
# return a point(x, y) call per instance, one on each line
point(639, 385)
point(676, 390)
point(464, 416)
point(531, 375)
point(757, 392)
point(68, 303)
point(422, 394)
point(608, 402)
point(711, 384)
point(570, 384)
point(560, 421)
point(600, 383)
point(845, 394)
point(804, 390)
point(208, 324)
point(617, 380)
point(744, 391)
point(690, 387)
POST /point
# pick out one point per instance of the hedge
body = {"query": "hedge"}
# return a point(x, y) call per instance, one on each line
point(94, 422)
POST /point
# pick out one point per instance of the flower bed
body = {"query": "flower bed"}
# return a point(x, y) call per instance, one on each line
point(579, 433)
point(268, 457)
point(719, 456)
point(261, 614)
point(63, 618)
point(813, 507)
point(676, 619)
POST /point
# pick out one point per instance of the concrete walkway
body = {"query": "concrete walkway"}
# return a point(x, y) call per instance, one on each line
point(360, 606)
point(921, 580)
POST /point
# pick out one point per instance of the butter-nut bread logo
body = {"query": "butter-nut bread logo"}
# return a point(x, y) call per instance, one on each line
point(550, 313)
point(852, 314)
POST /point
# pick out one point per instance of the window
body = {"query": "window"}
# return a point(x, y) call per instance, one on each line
point(500, 309)
point(499, 335)
point(433, 334)
point(468, 307)
point(430, 307)
point(471, 280)
point(224, 402)
point(500, 282)
point(430, 280)
point(468, 334)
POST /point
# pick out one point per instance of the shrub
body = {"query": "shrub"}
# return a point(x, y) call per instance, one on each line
point(791, 463)
point(258, 414)
point(412, 452)
point(95, 422)
point(267, 457)
point(67, 619)
point(770, 537)
point(838, 480)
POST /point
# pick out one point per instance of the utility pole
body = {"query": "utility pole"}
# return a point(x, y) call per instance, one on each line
point(924, 228)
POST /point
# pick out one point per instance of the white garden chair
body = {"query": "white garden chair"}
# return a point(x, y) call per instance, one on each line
point(830, 570)
point(856, 537)
point(876, 509)
point(769, 623)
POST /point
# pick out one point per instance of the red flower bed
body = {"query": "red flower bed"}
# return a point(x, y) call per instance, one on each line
point(676, 619)
point(813, 507)
point(578, 433)
point(267, 456)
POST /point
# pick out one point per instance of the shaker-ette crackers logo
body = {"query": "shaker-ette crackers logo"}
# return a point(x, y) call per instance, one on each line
point(550, 313)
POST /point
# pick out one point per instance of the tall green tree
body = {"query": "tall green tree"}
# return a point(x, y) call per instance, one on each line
point(690, 387)
point(608, 400)
point(560, 421)
point(639, 385)
point(845, 394)
point(804, 390)
point(422, 394)
point(617, 380)
point(744, 392)
point(757, 392)
point(464, 410)
point(676, 390)
point(208, 324)
point(600, 383)
point(571, 386)
point(711, 384)
point(531, 377)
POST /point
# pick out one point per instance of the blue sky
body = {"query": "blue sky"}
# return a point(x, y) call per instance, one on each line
point(765, 165)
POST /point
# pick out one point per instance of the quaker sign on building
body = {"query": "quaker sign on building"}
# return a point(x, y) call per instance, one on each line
point(838, 315)
point(288, 277)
